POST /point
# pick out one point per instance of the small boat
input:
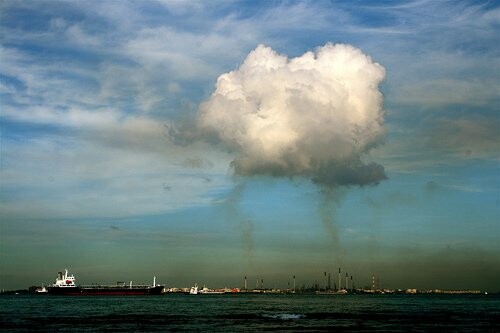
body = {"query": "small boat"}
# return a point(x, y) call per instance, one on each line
point(194, 290)
point(41, 290)
point(206, 291)
point(332, 292)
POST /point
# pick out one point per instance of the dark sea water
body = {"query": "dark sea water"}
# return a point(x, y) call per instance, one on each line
point(250, 313)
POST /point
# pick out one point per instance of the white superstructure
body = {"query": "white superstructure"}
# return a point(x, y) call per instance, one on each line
point(194, 290)
point(64, 280)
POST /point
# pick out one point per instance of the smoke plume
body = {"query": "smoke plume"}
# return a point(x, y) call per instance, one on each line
point(245, 225)
point(327, 208)
point(314, 116)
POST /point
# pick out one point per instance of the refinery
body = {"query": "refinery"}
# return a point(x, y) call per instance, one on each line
point(337, 284)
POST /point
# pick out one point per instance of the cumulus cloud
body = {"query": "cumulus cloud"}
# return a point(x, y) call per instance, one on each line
point(315, 115)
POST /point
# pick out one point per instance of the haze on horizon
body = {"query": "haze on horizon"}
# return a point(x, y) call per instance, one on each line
point(207, 142)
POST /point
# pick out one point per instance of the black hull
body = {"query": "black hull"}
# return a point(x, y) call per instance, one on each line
point(105, 291)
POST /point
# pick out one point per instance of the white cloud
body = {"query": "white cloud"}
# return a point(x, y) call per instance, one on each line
point(442, 92)
point(58, 23)
point(68, 178)
point(76, 34)
point(436, 54)
point(179, 7)
point(313, 115)
point(184, 55)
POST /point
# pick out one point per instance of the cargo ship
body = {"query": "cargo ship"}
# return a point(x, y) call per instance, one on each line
point(65, 285)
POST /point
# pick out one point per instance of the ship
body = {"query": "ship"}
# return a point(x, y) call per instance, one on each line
point(194, 290)
point(65, 284)
point(205, 291)
point(41, 290)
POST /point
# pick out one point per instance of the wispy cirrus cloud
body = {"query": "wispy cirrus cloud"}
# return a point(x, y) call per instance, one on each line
point(106, 177)
point(149, 69)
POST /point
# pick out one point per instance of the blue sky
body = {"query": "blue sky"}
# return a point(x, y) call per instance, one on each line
point(94, 175)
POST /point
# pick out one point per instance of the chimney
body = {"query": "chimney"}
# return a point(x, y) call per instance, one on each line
point(340, 286)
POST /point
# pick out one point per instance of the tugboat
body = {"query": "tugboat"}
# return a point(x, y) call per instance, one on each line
point(65, 285)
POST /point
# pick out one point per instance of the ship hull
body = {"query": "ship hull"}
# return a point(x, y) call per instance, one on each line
point(105, 291)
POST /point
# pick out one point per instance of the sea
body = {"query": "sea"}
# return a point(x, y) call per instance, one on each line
point(250, 313)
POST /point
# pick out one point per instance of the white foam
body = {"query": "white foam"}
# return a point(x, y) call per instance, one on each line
point(285, 316)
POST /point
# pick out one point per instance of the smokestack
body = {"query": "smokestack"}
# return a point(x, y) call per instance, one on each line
point(326, 282)
point(245, 283)
point(373, 282)
point(329, 282)
point(346, 281)
point(340, 286)
point(352, 284)
point(294, 283)
point(262, 284)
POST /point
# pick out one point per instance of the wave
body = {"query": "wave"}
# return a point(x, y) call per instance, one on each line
point(284, 316)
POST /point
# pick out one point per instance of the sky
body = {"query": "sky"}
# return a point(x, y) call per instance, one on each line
point(202, 142)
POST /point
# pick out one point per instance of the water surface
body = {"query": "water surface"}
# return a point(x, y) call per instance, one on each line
point(250, 313)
